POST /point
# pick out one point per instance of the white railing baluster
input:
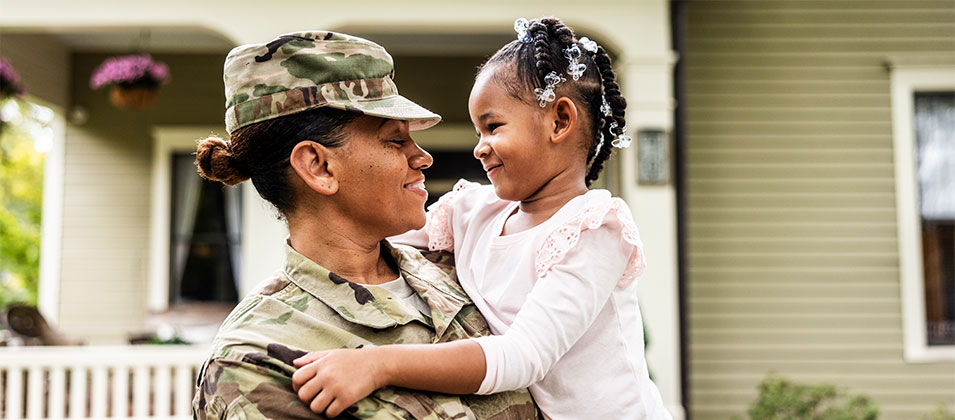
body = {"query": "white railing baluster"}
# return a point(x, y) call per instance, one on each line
point(14, 392)
point(141, 390)
point(120, 400)
point(57, 400)
point(35, 395)
point(162, 393)
point(98, 394)
point(95, 381)
point(78, 392)
point(183, 390)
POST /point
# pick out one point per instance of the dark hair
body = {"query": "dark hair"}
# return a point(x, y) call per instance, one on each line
point(261, 151)
point(545, 53)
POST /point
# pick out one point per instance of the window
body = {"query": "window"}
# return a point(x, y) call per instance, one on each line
point(923, 114)
point(935, 168)
point(239, 249)
point(204, 243)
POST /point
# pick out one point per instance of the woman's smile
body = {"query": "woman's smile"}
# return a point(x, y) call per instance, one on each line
point(417, 187)
point(493, 169)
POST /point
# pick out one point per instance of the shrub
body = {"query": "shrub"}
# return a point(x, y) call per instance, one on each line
point(940, 413)
point(780, 399)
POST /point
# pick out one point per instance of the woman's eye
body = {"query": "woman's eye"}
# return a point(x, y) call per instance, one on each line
point(398, 141)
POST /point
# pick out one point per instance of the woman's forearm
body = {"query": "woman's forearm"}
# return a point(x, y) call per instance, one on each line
point(455, 368)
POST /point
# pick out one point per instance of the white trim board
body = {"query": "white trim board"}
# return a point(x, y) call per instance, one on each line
point(906, 80)
point(51, 228)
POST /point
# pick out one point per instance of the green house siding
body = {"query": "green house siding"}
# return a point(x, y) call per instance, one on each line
point(792, 246)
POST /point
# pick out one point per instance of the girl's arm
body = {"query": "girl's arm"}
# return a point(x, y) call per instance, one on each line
point(557, 312)
point(331, 381)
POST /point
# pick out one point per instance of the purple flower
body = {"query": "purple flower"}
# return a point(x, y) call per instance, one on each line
point(9, 80)
point(130, 70)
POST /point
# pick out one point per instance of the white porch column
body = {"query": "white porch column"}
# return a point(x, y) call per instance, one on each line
point(647, 81)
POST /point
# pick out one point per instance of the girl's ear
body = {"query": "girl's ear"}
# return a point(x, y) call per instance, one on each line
point(310, 161)
point(564, 114)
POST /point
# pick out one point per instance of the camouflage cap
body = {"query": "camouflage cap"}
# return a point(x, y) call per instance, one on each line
point(305, 70)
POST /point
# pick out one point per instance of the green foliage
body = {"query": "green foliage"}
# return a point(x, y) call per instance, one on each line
point(780, 399)
point(940, 413)
point(21, 194)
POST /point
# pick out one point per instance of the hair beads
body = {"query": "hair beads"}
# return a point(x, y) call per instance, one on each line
point(537, 62)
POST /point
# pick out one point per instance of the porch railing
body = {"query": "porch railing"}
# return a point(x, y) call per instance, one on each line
point(100, 382)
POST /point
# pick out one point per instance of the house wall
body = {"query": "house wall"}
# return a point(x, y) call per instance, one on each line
point(43, 64)
point(792, 246)
point(106, 194)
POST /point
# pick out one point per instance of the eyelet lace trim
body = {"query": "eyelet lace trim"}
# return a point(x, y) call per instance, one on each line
point(440, 234)
point(565, 237)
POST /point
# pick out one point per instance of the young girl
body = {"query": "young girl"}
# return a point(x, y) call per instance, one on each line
point(548, 262)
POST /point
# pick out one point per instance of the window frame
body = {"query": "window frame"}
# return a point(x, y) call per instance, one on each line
point(907, 79)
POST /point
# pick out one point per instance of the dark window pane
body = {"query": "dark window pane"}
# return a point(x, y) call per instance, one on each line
point(449, 166)
point(938, 249)
point(202, 250)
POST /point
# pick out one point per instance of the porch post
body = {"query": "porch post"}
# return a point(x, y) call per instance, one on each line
point(646, 81)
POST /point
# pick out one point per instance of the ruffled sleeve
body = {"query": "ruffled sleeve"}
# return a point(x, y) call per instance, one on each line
point(440, 215)
point(613, 212)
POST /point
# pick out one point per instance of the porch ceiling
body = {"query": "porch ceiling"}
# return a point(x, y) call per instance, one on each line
point(126, 39)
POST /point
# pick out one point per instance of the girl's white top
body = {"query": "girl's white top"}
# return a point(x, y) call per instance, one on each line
point(559, 297)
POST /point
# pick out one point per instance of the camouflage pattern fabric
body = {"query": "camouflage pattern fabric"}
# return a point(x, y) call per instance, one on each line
point(305, 70)
point(305, 307)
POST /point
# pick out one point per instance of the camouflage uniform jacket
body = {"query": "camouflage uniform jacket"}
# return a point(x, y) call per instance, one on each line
point(305, 307)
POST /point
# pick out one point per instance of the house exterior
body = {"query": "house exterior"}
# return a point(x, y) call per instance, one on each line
point(796, 242)
point(782, 237)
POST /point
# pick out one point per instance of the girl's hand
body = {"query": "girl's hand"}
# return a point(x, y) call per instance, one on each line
point(331, 381)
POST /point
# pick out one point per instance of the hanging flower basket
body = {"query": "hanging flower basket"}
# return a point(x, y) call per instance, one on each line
point(133, 97)
point(133, 80)
point(10, 86)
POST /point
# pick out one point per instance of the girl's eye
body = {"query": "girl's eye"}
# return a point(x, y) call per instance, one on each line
point(492, 127)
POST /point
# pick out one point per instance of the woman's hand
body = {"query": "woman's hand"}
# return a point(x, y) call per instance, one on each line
point(331, 381)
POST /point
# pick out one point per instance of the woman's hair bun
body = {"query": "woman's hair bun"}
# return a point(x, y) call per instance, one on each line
point(217, 163)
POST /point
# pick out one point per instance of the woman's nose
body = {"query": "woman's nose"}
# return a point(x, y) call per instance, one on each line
point(420, 159)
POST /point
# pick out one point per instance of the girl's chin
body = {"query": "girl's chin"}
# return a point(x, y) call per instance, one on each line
point(507, 194)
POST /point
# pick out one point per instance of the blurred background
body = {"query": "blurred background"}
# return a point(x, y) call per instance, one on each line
point(792, 175)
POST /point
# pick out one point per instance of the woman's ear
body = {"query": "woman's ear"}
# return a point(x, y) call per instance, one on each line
point(564, 114)
point(310, 161)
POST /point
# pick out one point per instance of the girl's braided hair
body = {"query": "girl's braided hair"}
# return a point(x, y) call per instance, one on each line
point(544, 54)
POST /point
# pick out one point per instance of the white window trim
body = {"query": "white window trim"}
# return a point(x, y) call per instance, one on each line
point(51, 230)
point(907, 79)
